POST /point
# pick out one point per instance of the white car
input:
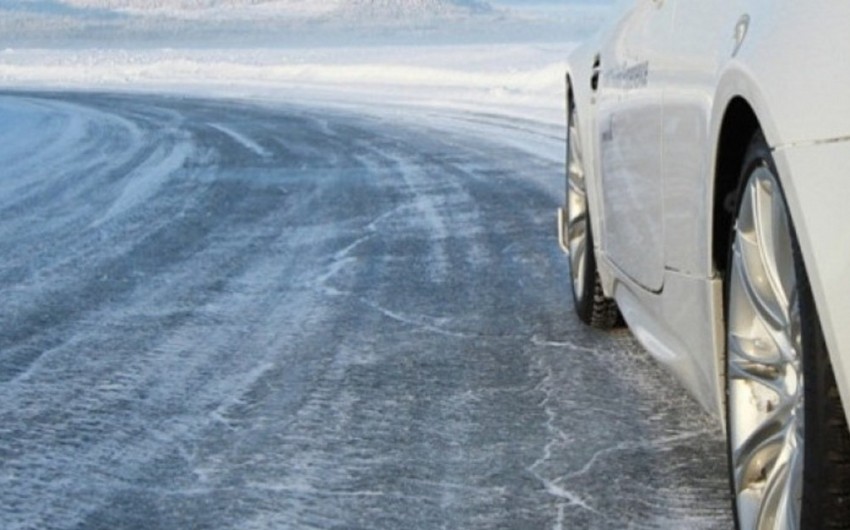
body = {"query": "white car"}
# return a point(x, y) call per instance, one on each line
point(708, 205)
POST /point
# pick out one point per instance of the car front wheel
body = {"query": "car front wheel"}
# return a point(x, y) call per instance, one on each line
point(789, 449)
point(591, 305)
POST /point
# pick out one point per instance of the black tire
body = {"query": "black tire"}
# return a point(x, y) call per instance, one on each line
point(826, 476)
point(826, 441)
point(592, 306)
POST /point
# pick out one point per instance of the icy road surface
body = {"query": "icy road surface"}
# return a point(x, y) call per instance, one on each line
point(230, 315)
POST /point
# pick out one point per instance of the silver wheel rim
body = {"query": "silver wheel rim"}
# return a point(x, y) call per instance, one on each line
point(766, 418)
point(576, 208)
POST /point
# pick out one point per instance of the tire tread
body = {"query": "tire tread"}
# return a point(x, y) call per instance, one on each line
point(604, 311)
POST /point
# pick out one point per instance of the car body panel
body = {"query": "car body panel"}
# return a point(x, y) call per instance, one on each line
point(578, 81)
point(654, 244)
point(663, 325)
point(701, 44)
point(629, 119)
point(820, 209)
point(798, 55)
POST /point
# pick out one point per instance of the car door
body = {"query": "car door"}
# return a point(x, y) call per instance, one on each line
point(629, 128)
point(704, 38)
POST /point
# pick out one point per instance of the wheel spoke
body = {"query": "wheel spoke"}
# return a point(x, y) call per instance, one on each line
point(577, 211)
point(577, 240)
point(576, 172)
point(577, 225)
point(773, 232)
point(758, 288)
point(756, 455)
point(578, 248)
point(780, 509)
point(764, 244)
point(793, 502)
point(765, 343)
point(773, 377)
point(576, 159)
point(771, 515)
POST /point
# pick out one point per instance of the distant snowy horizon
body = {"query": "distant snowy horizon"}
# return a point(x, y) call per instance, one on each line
point(292, 23)
point(484, 54)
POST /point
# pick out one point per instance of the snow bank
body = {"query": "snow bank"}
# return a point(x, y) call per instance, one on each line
point(357, 51)
point(512, 79)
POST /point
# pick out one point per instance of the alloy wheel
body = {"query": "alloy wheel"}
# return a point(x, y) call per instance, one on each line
point(576, 208)
point(764, 361)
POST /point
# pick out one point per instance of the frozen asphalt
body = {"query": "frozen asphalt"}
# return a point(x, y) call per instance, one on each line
point(228, 315)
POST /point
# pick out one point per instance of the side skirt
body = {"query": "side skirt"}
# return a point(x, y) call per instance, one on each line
point(682, 327)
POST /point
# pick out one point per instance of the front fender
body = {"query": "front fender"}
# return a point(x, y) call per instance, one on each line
point(579, 74)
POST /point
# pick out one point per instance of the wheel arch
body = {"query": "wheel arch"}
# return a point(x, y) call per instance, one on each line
point(741, 113)
point(578, 88)
point(737, 119)
point(569, 85)
point(737, 127)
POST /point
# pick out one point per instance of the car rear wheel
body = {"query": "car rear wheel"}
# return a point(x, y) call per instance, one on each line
point(592, 307)
point(787, 434)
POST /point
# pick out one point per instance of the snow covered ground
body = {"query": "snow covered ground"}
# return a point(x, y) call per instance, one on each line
point(504, 57)
point(271, 315)
point(323, 290)
point(517, 79)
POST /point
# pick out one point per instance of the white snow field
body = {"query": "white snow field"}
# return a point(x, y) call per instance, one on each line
point(503, 58)
point(516, 79)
